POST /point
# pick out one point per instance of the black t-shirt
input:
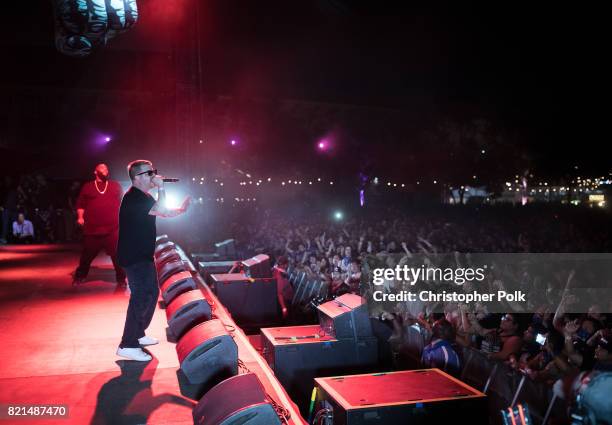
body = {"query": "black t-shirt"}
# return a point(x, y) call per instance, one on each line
point(136, 228)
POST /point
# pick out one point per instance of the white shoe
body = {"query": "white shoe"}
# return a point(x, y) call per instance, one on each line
point(147, 340)
point(134, 354)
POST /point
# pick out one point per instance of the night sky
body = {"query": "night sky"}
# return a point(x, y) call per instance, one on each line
point(532, 67)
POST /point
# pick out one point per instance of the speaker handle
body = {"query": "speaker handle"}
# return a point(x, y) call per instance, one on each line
point(200, 351)
point(187, 308)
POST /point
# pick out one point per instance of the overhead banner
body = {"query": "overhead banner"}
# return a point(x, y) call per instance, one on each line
point(83, 25)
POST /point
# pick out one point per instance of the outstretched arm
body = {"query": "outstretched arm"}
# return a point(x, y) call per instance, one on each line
point(159, 209)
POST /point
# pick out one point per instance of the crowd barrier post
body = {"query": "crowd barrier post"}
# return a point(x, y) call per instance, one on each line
point(549, 409)
point(518, 390)
point(490, 378)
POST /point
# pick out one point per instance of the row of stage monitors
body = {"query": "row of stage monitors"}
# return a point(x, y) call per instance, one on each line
point(246, 288)
point(207, 352)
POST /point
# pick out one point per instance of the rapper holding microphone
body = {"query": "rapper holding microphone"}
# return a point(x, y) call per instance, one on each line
point(135, 250)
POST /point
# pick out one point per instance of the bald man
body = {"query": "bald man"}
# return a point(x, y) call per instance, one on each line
point(98, 215)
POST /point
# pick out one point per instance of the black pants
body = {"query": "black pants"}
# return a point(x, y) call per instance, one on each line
point(142, 279)
point(92, 245)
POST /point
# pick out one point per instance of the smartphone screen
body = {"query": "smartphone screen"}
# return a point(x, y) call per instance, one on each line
point(540, 339)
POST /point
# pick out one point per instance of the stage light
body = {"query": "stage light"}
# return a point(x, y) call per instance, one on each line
point(201, 141)
point(338, 215)
point(331, 183)
point(233, 142)
point(201, 182)
point(318, 179)
point(435, 181)
point(107, 139)
point(269, 179)
point(193, 179)
point(172, 201)
point(283, 183)
point(482, 151)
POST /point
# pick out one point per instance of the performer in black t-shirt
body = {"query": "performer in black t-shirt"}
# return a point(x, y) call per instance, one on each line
point(135, 254)
point(98, 213)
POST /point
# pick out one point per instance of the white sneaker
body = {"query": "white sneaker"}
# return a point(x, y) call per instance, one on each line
point(147, 340)
point(134, 354)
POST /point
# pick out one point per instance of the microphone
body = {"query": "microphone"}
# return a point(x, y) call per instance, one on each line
point(170, 180)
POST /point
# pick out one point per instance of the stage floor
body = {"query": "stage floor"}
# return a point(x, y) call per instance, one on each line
point(58, 344)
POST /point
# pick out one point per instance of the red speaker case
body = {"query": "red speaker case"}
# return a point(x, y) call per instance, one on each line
point(207, 353)
point(186, 311)
point(177, 284)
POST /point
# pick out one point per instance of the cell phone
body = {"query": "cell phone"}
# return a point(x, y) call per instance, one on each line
point(541, 339)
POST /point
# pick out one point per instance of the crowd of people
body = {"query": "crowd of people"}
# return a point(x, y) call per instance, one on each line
point(549, 343)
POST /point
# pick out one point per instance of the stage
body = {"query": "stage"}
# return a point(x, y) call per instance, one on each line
point(59, 342)
point(59, 346)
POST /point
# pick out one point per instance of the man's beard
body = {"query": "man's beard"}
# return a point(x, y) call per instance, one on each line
point(102, 177)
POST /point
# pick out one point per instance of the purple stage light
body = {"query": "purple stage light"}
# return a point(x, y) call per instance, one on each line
point(362, 197)
point(233, 142)
point(107, 139)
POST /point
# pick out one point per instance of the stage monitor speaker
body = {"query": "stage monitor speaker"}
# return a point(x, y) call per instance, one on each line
point(166, 257)
point(205, 257)
point(345, 317)
point(176, 285)
point(160, 249)
point(187, 310)
point(226, 248)
point(427, 396)
point(258, 266)
point(298, 354)
point(207, 353)
point(240, 399)
point(251, 302)
point(208, 268)
point(169, 269)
